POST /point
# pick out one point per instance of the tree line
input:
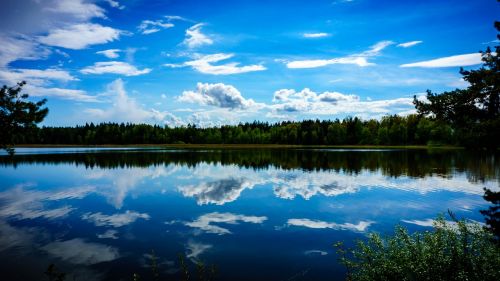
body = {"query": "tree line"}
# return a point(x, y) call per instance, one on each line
point(390, 130)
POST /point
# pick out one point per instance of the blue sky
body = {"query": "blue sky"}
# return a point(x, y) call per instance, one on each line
point(224, 62)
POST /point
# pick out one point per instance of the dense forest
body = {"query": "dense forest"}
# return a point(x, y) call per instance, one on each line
point(390, 130)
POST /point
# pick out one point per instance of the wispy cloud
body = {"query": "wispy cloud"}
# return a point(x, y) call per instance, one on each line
point(80, 36)
point(195, 249)
point(409, 44)
point(149, 26)
point(356, 59)
point(78, 251)
point(451, 61)
point(204, 64)
point(125, 109)
point(206, 222)
point(115, 4)
point(195, 38)
point(316, 35)
point(115, 67)
point(110, 53)
point(359, 227)
point(115, 220)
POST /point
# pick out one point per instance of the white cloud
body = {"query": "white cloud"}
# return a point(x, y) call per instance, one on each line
point(194, 37)
point(116, 220)
point(317, 224)
point(149, 26)
point(115, 67)
point(205, 65)
point(220, 95)
point(125, 109)
point(79, 9)
point(409, 44)
point(20, 48)
point(452, 61)
point(62, 93)
point(111, 53)
point(375, 50)
point(22, 202)
point(78, 251)
point(115, 4)
point(108, 234)
point(217, 192)
point(206, 222)
point(315, 252)
point(316, 35)
point(356, 59)
point(359, 61)
point(331, 103)
point(425, 223)
point(35, 76)
point(80, 36)
point(195, 249)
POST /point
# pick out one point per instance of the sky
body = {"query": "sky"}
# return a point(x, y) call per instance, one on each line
point(211, 63)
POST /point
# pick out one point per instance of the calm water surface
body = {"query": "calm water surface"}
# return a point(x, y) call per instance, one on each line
point(256, 214)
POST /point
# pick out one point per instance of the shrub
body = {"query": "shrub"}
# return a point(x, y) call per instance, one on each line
point(457, 250)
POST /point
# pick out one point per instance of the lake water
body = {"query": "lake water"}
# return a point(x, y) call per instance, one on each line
point(267, 214)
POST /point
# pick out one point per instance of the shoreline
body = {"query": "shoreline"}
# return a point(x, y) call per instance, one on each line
point(238, 146)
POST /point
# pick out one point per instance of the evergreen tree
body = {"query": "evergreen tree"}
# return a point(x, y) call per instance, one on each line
point(17, 115)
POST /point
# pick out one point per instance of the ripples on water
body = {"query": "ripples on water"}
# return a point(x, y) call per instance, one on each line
point(256, 214)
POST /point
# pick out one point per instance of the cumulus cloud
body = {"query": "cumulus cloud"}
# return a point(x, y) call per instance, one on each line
point(150, 26)
point(220, 95)
point(78, 251)
point(195, 38)
point(205, 64)
point(206, 222)
point(316, 35)
point(115, 220)
point(126, 109)
point(409, 44)
point(356, 59)
point(80, 36)
point(331, 103)
point(115, 67)
point(452, 61)
point(317, 224)
point(217, 192)
point(110, 53)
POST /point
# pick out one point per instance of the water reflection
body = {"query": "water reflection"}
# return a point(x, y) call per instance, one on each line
point(261, 214)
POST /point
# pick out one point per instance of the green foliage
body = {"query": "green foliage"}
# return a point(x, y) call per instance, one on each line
point(459, 250)
point(391, 130)
point(17, 115)
point(474, 113)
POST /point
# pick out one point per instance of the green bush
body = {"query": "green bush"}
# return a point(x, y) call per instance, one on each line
point(458, 250)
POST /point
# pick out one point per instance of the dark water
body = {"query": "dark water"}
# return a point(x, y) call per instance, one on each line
point(256, 214)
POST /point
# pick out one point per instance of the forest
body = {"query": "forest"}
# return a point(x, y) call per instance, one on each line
point(390, 130)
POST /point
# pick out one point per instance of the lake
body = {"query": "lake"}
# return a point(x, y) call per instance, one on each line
point(255, 214)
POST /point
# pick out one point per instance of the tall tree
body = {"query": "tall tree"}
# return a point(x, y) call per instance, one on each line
point(17, 114)
point(474, 113)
